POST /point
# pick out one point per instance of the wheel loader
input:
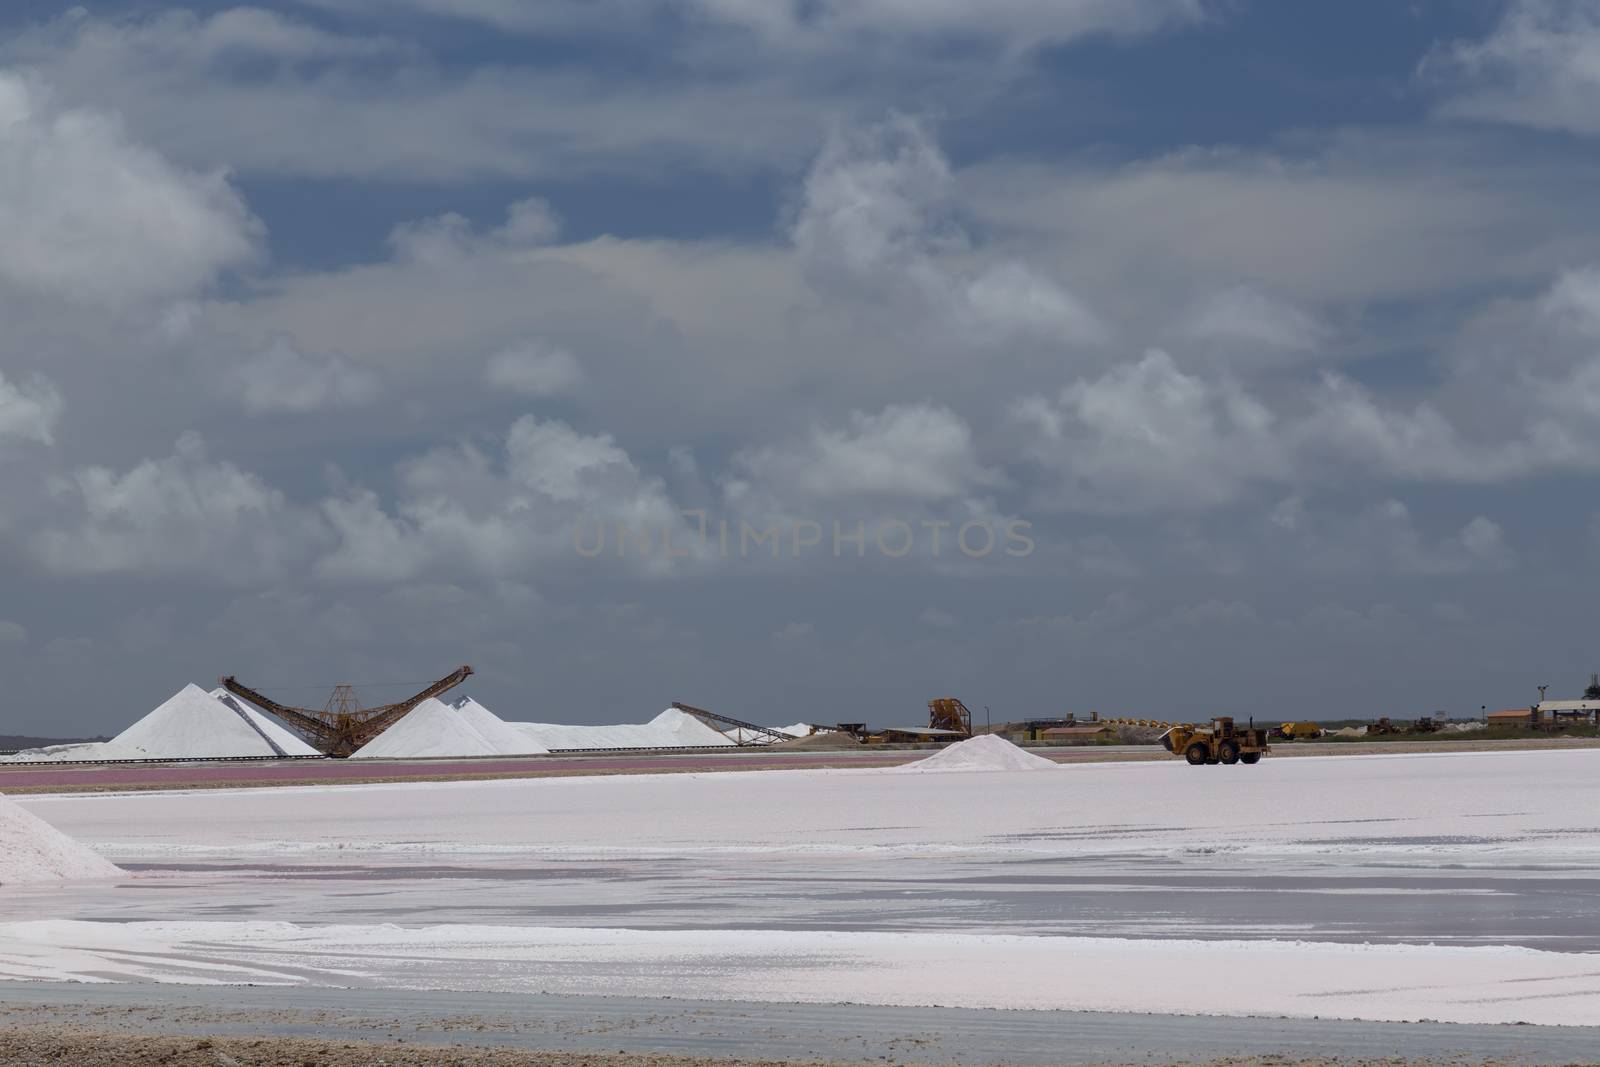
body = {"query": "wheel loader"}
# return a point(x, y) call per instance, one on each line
point(1218, 741)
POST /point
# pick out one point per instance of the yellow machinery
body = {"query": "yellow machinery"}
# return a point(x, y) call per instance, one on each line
point(1218, 741)
point(948, 713)
point(1295, 731)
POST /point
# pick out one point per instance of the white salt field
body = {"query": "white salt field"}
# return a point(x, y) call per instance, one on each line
point(1456, 887)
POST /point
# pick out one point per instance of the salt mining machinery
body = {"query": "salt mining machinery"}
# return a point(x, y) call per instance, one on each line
point(343, 725)
point(1218, 741)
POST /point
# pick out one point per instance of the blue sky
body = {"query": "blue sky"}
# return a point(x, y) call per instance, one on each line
point(329, 322)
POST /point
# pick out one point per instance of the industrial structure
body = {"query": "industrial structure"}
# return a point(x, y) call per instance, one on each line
point(745, 734)
point(949, 714)
point(342, 726)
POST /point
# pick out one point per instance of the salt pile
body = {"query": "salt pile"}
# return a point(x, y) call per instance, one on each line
point(86, 752)
point(671, 729)
point(987, 752)
point(193, 724)
point(506, 738)
point(33, 852)
point(434, 728)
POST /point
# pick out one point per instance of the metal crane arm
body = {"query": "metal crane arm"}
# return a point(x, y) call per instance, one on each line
point(768, 732)
point(376, 720)
point(312, 728)
point(443, 685)
point(339, 733)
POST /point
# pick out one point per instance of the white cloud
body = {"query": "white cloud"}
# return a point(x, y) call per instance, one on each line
point(450, 238)
point(1539, 67)
point(1244, 315)
point(915, 452)
point(878, 219)
point(89, 215)
point(185, 513)
point(1386, 538)
point(457, 510)
point(29, 410)
point(12, 633)
point(1147, 436)
point(533, 368)
point(283, 379)
point(1324, 222)
point(271, 94)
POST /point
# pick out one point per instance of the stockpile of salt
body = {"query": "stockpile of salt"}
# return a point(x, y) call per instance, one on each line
point(432, 728)
point(671, 729)
point(987, 752)
point(506, 738)
point(193, 724)
point(34, 852)
point(85, 752)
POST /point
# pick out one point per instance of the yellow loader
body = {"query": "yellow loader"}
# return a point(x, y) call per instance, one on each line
point(1218, 741)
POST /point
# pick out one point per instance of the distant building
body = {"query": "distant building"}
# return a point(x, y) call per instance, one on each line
point(1511, 717)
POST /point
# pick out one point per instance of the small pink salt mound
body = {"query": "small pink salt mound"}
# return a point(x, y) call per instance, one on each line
point(32, 852)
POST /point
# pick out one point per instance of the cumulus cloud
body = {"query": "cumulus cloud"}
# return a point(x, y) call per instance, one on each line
point(533, 368)
point(282, 378)
point(89, 215)
point(451, 238)
point(185, 513)
point(460, 510)
point(916, 452)
point(877, 212)
point(29, 410)
point(1519, 396)
point(1387, 538)
point(1539, 67)
point(1244, 315)
point(1146, 436)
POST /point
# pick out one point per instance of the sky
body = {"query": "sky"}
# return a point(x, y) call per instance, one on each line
point(800, 359)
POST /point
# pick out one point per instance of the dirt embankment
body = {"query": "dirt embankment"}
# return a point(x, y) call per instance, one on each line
point(38, 1046)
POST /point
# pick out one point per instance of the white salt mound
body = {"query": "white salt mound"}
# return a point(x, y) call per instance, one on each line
point(87, 751)
point(671, 729)
point(506, 738)
point(987, 752)
point(33, 852)
point(194, 724)
point(432, 728)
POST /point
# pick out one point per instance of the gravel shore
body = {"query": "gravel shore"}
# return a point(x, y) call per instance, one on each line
point(28, 1046)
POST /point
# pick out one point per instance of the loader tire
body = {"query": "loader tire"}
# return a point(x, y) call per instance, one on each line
point(1197, 754)
point(1228, 752)
point(1249, 758)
